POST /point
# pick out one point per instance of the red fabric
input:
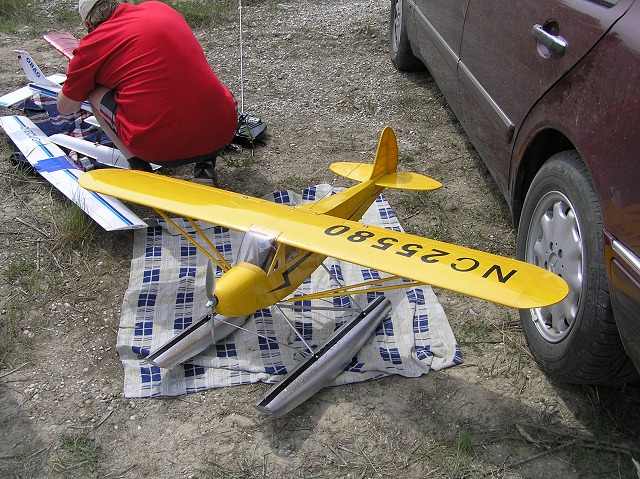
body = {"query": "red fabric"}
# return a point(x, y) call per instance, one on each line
point(171, 105)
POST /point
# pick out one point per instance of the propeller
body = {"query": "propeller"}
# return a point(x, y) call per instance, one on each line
point(210, 285)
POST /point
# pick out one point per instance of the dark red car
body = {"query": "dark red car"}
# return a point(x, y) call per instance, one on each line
point(549, 93)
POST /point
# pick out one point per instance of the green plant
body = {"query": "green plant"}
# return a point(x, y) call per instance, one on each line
point(242, 467)
point(12, 13)
point(405, 159)
point(242, 161)
point(454, 459)
point(8, 328)
point(74, 227)
point(368, 31)
point(79, 456)
point(462, 447)
point(476, 329)
point(18, 269)
point(203, 13)
point(294, 183)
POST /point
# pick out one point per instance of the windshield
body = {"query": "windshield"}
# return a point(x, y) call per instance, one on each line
point(257, 248)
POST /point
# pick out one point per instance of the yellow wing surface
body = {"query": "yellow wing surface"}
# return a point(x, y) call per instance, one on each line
point(482, 275)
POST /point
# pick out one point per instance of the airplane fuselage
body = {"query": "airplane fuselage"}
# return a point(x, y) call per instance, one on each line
point(247, 288)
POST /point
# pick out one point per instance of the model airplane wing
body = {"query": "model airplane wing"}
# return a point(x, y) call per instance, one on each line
point(57, 168)
point(65, 43)
point(475, 273)
point(103, 154)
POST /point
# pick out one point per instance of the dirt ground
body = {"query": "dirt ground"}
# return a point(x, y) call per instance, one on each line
point(317, 72)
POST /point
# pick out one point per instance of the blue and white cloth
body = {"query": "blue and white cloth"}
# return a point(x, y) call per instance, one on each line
point(166, 294)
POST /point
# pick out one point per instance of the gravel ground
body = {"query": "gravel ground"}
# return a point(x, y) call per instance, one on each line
point(318, 73)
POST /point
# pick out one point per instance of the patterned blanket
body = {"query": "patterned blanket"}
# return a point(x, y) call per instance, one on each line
point(166, 294)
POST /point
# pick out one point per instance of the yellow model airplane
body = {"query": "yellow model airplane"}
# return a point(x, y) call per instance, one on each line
point(283, 245)
point(298, 239)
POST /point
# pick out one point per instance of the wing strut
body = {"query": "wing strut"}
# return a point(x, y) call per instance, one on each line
point(356, 289)
point(218, 259)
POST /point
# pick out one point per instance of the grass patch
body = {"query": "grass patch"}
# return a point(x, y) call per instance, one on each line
point(78, 456)
point(74, 228)
point(295, 183)
point(198, 13)
point(18, 270)
point(423, 203)
point(239, 161)
point(455, 459)
point(240, 468)
point(14, 13)
point(203, 13)
point(62, 14)
point(405, 158)
point(9, 328)
point(476, 330)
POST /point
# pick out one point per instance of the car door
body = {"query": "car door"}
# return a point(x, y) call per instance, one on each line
point(512, 52)
point(439, 26)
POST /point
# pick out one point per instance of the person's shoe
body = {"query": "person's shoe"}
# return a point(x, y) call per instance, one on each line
point(136, 163)
point(205, 173)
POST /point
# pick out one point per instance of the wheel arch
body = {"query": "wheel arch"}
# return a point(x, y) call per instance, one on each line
point(542, 146)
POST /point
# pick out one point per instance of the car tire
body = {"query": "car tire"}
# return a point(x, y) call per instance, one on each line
point(561, 230)
point(400, 50)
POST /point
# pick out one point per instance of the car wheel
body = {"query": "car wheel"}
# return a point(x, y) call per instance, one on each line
point(560, 230)
point(399, 47)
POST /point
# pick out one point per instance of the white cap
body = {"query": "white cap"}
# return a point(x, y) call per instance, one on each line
point(85, 6)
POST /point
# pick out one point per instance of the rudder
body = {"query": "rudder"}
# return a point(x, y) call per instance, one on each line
point(386, 161)
point(32, 70)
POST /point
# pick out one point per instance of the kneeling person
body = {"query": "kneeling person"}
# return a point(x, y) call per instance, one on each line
point(150, 86)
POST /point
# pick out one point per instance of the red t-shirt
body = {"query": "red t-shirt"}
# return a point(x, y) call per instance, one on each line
point(170, 103)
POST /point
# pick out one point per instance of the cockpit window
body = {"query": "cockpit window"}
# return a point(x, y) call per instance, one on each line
point(257, 248)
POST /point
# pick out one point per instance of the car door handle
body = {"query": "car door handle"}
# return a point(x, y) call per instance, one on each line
point(553, 42)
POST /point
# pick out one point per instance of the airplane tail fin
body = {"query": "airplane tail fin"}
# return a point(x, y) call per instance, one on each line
point(383, 171)
point(33, 72)
point(386, 160)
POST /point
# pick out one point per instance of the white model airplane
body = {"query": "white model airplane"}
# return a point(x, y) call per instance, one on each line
point(46, 154)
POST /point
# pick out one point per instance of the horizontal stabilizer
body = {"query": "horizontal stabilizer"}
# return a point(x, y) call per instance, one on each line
point(383, 171)
point(25, 92)
point(400, 180)
point(59, 170)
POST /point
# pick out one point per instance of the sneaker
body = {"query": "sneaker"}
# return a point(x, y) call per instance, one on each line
point(136, 163)
point(205, 173)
